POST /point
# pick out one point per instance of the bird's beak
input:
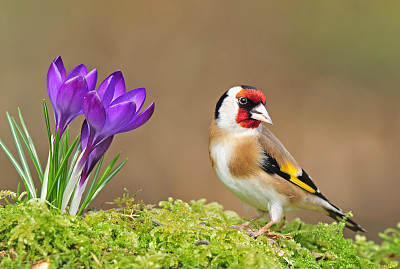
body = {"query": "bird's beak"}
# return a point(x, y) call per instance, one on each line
point(260, 113)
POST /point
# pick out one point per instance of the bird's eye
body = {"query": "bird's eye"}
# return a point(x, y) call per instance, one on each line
point(242, 100)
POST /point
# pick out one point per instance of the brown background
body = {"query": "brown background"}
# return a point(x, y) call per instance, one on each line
point(330, 71)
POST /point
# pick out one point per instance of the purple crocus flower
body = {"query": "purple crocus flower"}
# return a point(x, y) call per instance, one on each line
point(108, 111)
point(66, 91)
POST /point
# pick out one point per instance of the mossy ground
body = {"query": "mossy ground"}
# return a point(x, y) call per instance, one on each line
point(168, 236)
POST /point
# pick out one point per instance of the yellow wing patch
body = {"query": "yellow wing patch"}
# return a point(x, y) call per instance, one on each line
point(290, 169)
point(301, 184)
point(293, 172)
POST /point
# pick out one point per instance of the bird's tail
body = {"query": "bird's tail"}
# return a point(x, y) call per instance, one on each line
point(338, 215)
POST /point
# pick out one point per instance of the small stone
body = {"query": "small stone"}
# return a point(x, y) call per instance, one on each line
point(202, 242)
point(157, 224)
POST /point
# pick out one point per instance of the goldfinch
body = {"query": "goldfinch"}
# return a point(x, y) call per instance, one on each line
point(254, 165)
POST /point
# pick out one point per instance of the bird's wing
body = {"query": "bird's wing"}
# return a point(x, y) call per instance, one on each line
point(277, 160)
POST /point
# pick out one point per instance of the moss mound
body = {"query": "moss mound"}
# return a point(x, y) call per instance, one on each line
point(176, 235)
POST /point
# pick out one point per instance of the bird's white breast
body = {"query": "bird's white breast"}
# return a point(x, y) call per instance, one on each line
point(252, 191)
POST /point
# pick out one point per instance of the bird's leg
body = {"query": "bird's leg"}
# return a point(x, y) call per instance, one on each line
point(282, 224)
point(245, 225)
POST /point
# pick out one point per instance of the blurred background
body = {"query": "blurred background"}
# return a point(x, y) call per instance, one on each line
point(330, 71)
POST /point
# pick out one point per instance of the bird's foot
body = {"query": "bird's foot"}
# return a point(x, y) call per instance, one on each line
point(263, 231)
point(271, 236)
point(241, 227)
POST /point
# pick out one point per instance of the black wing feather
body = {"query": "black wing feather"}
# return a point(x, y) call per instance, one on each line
point(271, 166)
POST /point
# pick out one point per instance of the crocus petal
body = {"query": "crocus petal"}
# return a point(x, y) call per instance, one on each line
point(79, 70)
point(139, 119)
point(119, 84)
point(117, 117)
point(94, 110)
point(95, 156)
point(106, 90)
point(69, 101)
point(55, 78)
point(84, 135)
point(91, 80)
point(70, 95)
point(60, 66)
point(137, 96)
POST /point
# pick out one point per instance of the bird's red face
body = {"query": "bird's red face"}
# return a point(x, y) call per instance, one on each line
point(251, 109)
point(241, 108)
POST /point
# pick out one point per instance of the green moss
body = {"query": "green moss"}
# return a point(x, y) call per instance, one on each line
point(176, 235)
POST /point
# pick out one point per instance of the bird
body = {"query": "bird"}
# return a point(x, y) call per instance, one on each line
point(255, 166)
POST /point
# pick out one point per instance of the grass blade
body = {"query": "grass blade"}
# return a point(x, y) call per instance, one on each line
point(15, 163)
point(34, 158)
point(105, 178)
point(27, 174)
point(45, 179)
point(51, 193)
point(72, 181)
point(107, 171)
point(103, 182)
point(30, 141)
point(73, 161)
point(93, 181)
point(47, 122)
point(64, 170)
point(65, 161)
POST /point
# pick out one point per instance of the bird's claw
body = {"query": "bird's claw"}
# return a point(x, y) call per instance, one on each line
point(268, 234)
point(238, 227)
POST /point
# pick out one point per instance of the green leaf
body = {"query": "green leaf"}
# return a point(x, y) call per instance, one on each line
point(51, 193)
point(72, 181)
point(103, 182)
point(31, 152)
point(105, 178)
point(30, 141)
point(107, 171)
point(47, 121)
point(64, 169)
point(13, 161)
point(93, 181)
point(73, 161)
point(45, 182)
point(64, 162)
point(26, 172)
